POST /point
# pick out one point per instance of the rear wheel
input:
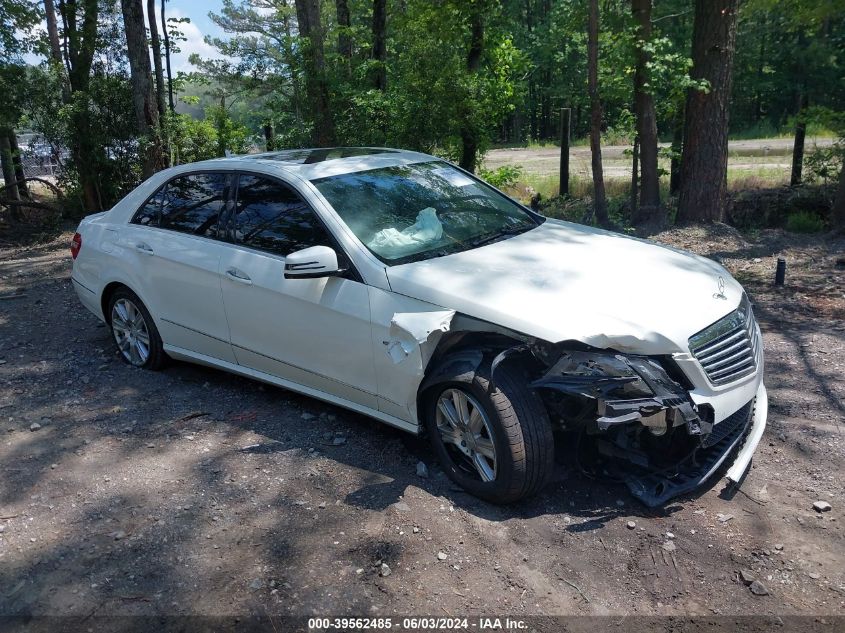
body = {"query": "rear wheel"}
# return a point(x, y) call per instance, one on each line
point(134, 330)
point(494, 440)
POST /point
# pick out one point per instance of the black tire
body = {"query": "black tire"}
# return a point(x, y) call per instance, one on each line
point(156, 357)
point(520, 429)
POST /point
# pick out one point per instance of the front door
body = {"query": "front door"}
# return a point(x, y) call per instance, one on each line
point(314, 332)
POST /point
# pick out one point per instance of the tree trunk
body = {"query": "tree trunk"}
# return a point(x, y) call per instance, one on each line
point(677, 148)
point(469, 130)
point(53, 31)
point(20, 175)
point(761, 66)
point(11, 189)
point(380, 43)
point(155, 42)
point(798, 145)
point(635, 172)
point(166, 36)
point(839, 202)
point(344, 24)
point(78, 55)
point(649, 211)
point(80, 42)
point(704, 164)
point(599, 199)
point(316, 85)
point(269, 137)
point(565, 124)
point(292, 63)
point(143, 96)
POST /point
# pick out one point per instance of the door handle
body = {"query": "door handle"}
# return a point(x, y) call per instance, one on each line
point(238, 275)
point(144, 248)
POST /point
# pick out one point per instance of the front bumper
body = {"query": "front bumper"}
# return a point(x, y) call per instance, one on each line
point(651, 431)
point(758, 425)
point(737, 437)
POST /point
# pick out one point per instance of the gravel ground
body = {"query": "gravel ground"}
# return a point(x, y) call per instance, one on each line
point(191, 491)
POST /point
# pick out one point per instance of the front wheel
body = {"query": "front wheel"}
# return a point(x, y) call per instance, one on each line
point(493, 440)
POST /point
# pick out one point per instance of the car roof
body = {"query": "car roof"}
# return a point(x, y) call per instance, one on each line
point(321, 162)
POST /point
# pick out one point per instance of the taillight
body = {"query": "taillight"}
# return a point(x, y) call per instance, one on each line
point(75, 245)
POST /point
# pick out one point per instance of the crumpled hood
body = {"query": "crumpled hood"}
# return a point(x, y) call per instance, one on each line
point(564, 281)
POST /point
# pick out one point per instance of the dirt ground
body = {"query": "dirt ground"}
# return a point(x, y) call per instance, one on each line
point(191, 491)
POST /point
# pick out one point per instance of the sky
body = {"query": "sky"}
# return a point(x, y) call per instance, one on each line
point(200, 26)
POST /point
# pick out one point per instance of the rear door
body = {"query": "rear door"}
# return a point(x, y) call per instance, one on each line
point(174, 239)
point(314, 332)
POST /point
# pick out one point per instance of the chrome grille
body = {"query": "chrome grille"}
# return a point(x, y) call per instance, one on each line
point(727, 350)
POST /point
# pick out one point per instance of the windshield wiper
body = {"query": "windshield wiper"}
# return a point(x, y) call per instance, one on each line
point(481, 240)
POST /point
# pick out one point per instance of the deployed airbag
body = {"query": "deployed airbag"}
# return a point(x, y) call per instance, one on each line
point(392, 243)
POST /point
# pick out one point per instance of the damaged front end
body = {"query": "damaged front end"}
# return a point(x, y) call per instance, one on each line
point(647, 431)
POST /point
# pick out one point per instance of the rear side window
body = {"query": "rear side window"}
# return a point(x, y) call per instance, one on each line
point(193, 204)
point(271, 216)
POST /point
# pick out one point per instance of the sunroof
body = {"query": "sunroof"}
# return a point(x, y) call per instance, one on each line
point(319, 155)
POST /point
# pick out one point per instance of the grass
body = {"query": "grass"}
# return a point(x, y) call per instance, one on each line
point(581, 186)
point(765, 130)
point(804, 222)
point(759, 178)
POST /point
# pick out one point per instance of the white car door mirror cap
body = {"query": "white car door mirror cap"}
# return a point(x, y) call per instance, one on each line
point(311, 263)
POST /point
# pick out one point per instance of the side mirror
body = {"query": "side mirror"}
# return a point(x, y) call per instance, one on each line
point(311, 263)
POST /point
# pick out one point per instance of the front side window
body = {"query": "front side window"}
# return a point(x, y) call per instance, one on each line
point(424, 210)
point(193, 204)
point(270, 216)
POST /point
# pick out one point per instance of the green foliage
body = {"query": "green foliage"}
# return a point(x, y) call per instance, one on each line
point(100, 119)
point(230, 136)
point(16, 16)
point(533, 63)
point(193, 140)
point(505, 177)
point(804, 222)
point(825, 163)
point(786, 48)
point(623, 131)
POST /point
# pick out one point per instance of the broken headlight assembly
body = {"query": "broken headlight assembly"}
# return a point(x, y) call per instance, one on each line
point(626, 389)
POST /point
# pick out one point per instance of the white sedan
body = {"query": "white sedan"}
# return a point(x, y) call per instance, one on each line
point(397, 285)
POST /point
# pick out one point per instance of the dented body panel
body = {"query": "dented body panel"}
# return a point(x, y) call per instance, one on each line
point(563, 281)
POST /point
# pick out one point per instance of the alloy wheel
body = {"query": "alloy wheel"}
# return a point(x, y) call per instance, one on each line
point(465, 431)
point(130, 332)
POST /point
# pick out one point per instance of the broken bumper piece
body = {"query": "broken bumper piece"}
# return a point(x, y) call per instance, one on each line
point(655, 489)
point(631, 391)
point(742, 429)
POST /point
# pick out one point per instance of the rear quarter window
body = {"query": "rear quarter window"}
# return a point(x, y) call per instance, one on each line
point(148, 214)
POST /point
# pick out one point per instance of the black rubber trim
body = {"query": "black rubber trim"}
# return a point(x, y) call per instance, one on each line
point(655, 489)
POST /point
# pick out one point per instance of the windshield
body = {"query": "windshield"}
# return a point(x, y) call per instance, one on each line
point(413, 212)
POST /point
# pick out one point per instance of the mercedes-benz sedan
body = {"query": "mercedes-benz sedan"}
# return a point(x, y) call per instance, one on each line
point(397, 285)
